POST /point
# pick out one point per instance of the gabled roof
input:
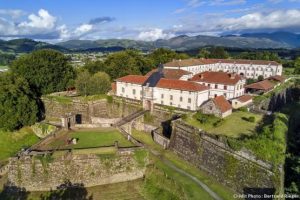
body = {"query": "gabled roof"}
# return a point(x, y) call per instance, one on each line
point(261, 85)
point(244, 98)
point(277, 78)
point(171, 73)
point(222, 103)
point(180, 85)
point(135, 79)
point(187, 62)
point(217, 77)
point(201, 61)
point(243, 61)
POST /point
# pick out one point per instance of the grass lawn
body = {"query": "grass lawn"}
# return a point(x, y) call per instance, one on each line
point(94, 138)
point(12, 142)
point(190, 187)
point(233, 125)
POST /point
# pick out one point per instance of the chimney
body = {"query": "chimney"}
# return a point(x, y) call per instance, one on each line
point(232, 75)
point(160, 68)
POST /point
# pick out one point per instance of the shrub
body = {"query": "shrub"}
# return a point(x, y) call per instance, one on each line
point(251, 119)
point(218, 123)
point(109, 99)
point(243, 109)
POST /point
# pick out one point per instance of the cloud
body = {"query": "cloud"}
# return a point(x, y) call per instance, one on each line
point(154, 34)
point(192, 4)
point(84, 28)
point(13, 13)
point(41, 21)
point(100, 20)
point(288, 20)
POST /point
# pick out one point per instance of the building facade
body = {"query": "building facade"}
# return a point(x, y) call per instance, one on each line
point(247, 68)
point(230, 85)
point(177, 93)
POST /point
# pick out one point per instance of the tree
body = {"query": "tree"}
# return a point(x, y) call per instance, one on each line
point(94, 67)
point(87, 84)
point(100, 83)
point(161, 56)
point(219, 52)
point(297, 66)
point(260, 78)
point(18, 104)
point(124, 63)
point(45, 70)
point(203, 53)
point(82, 83)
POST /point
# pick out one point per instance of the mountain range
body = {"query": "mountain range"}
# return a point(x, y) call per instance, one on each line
point(275, 40)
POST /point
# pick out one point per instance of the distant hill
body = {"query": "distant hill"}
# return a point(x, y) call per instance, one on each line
point(290, 39)
point(26, 45)
point(276, 40)
point(179, 43)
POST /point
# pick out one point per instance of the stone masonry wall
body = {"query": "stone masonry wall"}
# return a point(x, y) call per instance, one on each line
point(89, 170)
point(236, 170)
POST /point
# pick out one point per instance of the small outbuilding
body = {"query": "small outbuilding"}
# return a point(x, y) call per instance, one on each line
point(217, 106)
point(241, 101)
point(260, 87)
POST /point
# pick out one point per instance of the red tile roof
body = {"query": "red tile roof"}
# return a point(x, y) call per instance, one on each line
point(277, 78)
point(244, 98)
point(217, 77)
point(243, 61)
point(135, 79)
point(180, 85)
point(222, 103)
point(201, 61)
point(171, 73)
point(261, 85)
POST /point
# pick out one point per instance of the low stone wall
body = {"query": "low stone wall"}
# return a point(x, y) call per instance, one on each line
point(160, 139)
point(90, 170)
point(104, 122)
point(240, 171)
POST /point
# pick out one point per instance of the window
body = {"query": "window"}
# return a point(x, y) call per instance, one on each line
point(224, 94)
point(123, 89)
point(180, 99)
point(133, 91)
point(210, 107)
point(171, 103)
point(189, 100)
point(171, 97)
point(216, 86)
point(189, 107)
point(162, 102)
point(216, 95)
point(225, 87)
point(162, 96)
point(141, 92)
point(208, 85)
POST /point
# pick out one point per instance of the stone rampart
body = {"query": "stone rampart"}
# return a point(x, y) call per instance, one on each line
point(36, 174)
point(240, 171)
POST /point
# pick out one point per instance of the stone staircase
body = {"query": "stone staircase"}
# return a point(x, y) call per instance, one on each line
point(130, 117)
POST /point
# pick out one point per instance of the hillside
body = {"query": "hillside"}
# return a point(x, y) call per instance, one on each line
point(26, 45)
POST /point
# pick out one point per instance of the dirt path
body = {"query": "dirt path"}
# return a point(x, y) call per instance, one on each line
point(184, 173)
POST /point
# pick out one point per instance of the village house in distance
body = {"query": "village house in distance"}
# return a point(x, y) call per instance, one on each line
point(209, 85)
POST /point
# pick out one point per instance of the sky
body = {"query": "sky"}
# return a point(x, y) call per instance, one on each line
point(61, 20)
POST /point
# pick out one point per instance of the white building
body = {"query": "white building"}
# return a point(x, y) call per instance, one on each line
point(155, 89)
point(230, 85)
point(246, 68)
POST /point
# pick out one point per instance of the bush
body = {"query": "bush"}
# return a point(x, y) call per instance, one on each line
point(251, 119)
point(109, 99)
point(243, 109)
point(218, 123)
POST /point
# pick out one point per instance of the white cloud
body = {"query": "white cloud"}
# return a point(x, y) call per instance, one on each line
point(42, 21)
point(84, 28)
point(154, 34)
point(13, 13)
